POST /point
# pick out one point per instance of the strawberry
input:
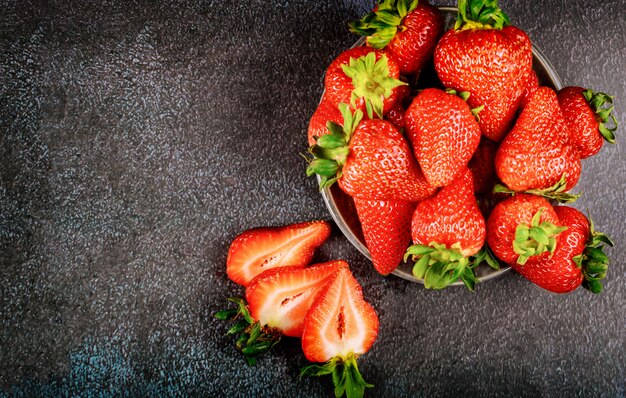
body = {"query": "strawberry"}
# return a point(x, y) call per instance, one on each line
point(365, 78)
point(444, 134)
point(483, 167)
point(536, 154)
point(447, 229)
point(370, 159)
point(386, 228)
point(407, 29)
point(487, 58)
point(338, 327)
point(325, 112)
point(279, 298)
point(532, 84)
point(260, 249)
point(396, 114)
point(523, 227)
point(587, 114)
point(578, 259)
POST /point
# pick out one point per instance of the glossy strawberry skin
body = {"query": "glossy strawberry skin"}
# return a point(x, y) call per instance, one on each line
point(280, 298)
point(536, 153)
point(386, 228)
point(532, 84)
point(259, 249)
point(325, 112)
point(451, 216)
point(415, 41)
point(581, 120)
point(559, 274)
point(493, 66)
point(380, 165)
point(483, 166)
point(507, 215)
point(340, 322)
point(444, 134)
point(339, 86)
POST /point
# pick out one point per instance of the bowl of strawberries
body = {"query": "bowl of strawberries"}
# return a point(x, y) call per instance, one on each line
point(428, 123)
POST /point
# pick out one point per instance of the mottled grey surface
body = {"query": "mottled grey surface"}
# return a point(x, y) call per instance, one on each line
point(137, 139)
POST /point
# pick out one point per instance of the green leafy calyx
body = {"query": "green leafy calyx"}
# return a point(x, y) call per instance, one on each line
point(380, 26)
point(536, 238)
point(371, 82)
point(556, 192)
point(345, 374)
point(440, 266)
point(252, 339)
point(480, 14)
point(328, 155)
point(602, 105)
point(593, 261)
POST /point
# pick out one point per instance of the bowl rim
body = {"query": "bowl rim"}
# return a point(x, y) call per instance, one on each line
point(340, 221)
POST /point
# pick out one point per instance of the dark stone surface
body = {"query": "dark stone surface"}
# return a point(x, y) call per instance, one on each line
point(137, 139)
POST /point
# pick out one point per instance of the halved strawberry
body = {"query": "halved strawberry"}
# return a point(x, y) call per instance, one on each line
point(260, 249)
point(338, 327)
point(280, 298)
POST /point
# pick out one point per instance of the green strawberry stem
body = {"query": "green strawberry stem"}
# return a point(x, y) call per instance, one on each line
point(439, 266)
point(252, 339)
point(329, 153)
point(555, 192)
point(486, 256)
point(381, 26)
point(371, 82)
point(345, 373)
point(593, 261)
point(536, 238)
point(602, 105)
point(480, 14)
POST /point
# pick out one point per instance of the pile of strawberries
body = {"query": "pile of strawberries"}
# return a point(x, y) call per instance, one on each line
point(466, 163)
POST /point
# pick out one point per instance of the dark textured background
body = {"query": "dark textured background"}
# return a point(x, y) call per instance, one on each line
point(137, 139)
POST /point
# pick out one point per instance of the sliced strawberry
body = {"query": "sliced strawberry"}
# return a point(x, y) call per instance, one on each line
point(260, 249)
point(280, 298)
point(338, 327)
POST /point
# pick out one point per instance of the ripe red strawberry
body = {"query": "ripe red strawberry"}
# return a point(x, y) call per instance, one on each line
point(536, 154)
point(396, 115)
point(483, 166)
point(279, 298)
point(523, 227)
point(532, 84)
point(447, 229)
point(338, 327)
point(444, 134)
point(365, 78)
point(386, 228)
point(487, 58)
point(260, 249)
point(407, 29)
point(370, 159)
point(325, 112)
point(578, 259)
point(587, 114)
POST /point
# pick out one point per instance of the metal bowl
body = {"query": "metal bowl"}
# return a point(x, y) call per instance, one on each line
point(341, 206)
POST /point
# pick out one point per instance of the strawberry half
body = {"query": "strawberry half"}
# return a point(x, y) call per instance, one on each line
point(386, 228)
point(490, 60)
point(338, 327)
point(259, 249)
point(365, 78)
point(587, 114)
point(407, 29)
point(279, 298)
point(578, 259)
